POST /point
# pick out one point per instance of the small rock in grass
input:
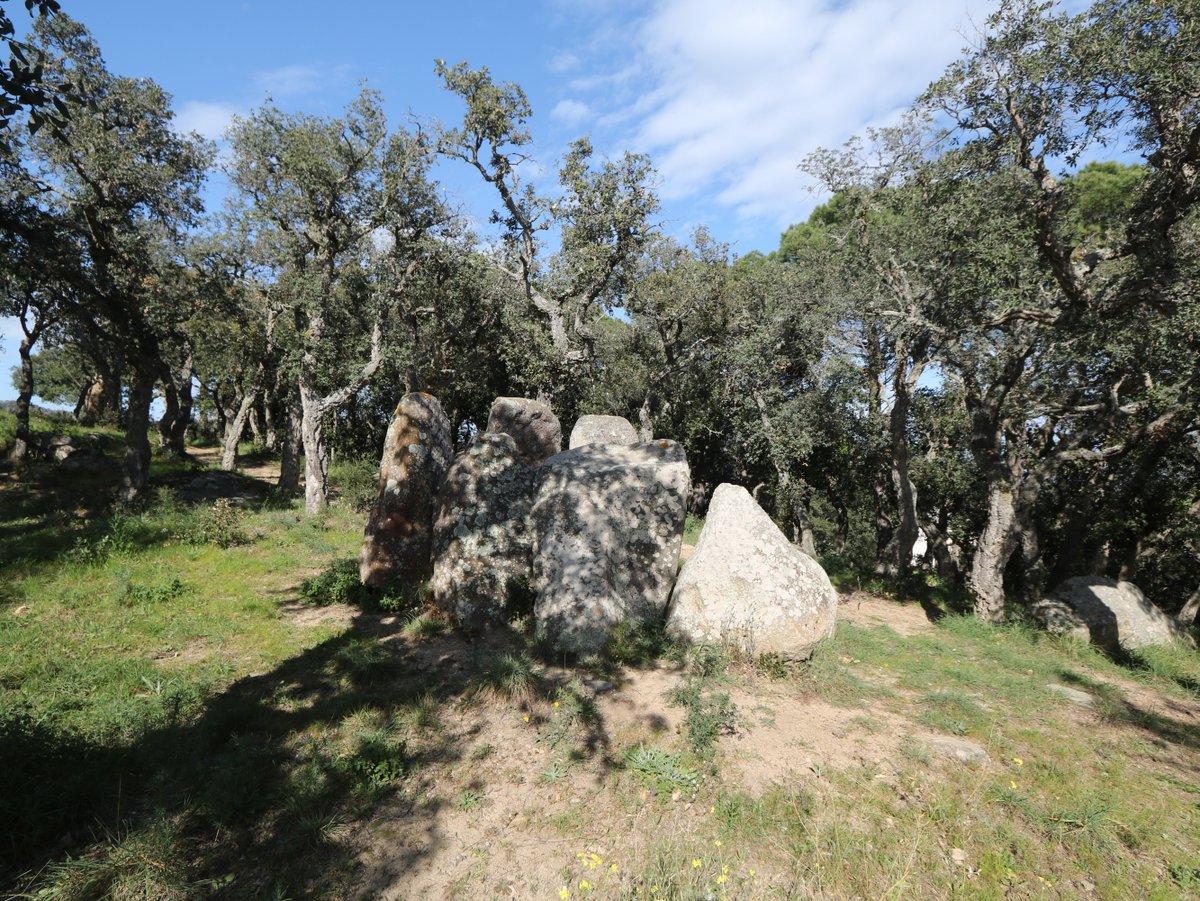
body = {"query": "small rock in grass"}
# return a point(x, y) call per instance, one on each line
point(960, 749)
point(1074, 695)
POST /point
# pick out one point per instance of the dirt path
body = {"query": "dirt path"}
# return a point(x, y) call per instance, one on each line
point(264, 471)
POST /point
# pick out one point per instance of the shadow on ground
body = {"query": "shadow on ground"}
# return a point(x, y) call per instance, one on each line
point(255, 794)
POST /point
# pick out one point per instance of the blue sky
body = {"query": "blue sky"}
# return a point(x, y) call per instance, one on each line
point(725, 98)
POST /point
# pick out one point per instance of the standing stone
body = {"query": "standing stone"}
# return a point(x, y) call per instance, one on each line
point(747, 584)
point(608, 525)
point(602, 430)
point(481, 541)
point(532, 425)
point(1109, 614)
point(416, 454)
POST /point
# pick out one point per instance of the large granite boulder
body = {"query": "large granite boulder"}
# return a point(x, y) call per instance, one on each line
point(532, 425)
point(481, 541)
point(1113, 615)
point(608, 524)
point(748, 585)
point(417, 453)
point(602, 430)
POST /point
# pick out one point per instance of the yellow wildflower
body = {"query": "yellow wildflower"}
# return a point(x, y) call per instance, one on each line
point(717, 843)
point(564, 893)
point(527, 717)
point(722, 879)
point(695, 863)
point(557, 704)
point(1018, 761)
point(584, 884)
point(1012, 784)
point(612, 868)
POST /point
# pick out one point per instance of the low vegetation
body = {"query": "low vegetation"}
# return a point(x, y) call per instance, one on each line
point(198, 706)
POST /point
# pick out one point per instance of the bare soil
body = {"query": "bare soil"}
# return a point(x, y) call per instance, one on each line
point(496, 822)
point(265, 471)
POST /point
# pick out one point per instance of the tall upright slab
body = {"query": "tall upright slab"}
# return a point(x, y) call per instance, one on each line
point(417, 453)
point(607, 528)
point(481, 540)
point(531, 424)
point(592, 429)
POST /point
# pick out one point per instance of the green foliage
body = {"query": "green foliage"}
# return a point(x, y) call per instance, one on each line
point(709, 713)
point(661, 771)
point(510, 677)
point(150, 595)
point(221, 524)
point(640, 642)
point(355, 483)
point(339, 583)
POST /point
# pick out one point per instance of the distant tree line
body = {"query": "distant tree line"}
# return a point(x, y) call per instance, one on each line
point(961, 343)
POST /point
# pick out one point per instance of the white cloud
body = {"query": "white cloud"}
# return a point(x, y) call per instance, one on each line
point(298, 80)
point(288, 81)
point(208, 119)
point(729, 98)
point(571, 112)
point(563, 62)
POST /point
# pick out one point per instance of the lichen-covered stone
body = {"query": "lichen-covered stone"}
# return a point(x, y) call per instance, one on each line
point(608, 524)
point(417, 453)
point(1109, 614)
point(481, 539)
point(602, 430)
point(532, 425)
point(748, 585)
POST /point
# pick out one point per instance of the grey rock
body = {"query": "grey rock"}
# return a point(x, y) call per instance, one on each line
point(417, 453)
point(482, 546)
point(89, 462)
point(1074, 695)
point(746, 584)
point(602, 430)
point(608, 524)
point(1109, 614)
point(532, 425)
point(960, 749)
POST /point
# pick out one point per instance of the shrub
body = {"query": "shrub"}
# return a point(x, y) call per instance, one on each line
point(340, 584)
point(355, 483)
point(221, 524)
point(660, 771)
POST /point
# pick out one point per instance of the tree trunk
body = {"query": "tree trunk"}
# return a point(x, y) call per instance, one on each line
point(289, 463)
point(255, 423)
point(170, 412)
point(645, 421)
point(907, 529)
point(945, 554)
point(270, 429)
point(137, 433)
point(884, 527)
point(175, 435)
point(20, 448)
point(1188, 614)
point(235, 425)
point(802, 529)
point(995, 546)
point(111, 407)
point(316, 460)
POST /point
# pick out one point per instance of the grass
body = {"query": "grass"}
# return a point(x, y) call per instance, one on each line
point(187, 721)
